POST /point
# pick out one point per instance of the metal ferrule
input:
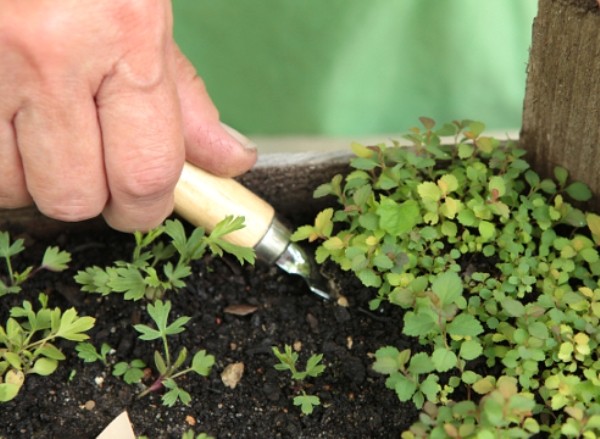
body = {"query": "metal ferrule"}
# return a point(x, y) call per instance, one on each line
point(273, 243)
point(275, 248)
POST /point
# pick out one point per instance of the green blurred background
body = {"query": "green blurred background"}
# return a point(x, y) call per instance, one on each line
point(358, 67)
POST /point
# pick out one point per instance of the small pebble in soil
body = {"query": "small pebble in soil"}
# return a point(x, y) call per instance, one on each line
point(190, 420)
point(297, 345)
point(313, 323)
point(232, 374)
point(89, 405)
point(99, 381)
point(343, 301)
point(349, 342)
point(341, 314)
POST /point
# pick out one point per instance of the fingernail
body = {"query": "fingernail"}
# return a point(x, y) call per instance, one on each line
point(243, 140)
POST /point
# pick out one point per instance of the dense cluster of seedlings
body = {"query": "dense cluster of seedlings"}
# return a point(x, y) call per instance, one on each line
point(497, 271)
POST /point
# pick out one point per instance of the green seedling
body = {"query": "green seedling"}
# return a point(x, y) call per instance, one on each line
point(288, 360)
point(494, 265)
point(156, 267)
point(53, 260)
point(307, 403)
point(27, 342)
point(167, 368)
point(189, 434)
point(132, 371)
point(89, 354)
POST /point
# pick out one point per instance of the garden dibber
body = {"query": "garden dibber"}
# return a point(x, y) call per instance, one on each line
point(204, 199)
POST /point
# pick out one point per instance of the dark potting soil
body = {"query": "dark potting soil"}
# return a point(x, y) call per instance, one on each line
point(80, 399)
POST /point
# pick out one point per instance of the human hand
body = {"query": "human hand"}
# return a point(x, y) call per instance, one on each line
point(100, 109)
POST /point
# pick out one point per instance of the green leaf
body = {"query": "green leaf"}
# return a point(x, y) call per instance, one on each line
point(420, 363)
point(579, 191)
point(561, 175)
point(419, 324)
point(87, 352)
point(369, 278)
point(513, 307)
point(430, 387)
point(470, 349)
point(593, 223)
point(447, 287)
point(444, 359)
point(177, 326)
point(389, 359)
point(487, 230)
point(181, 357)
point(324, 223)
point(304, 233)
point(307, 402)
point(447, 183)
point(464, 325)
point(160, 363)
point(427, 122)
point(398, 218)
point(175, 393)
point(133, 375)
point(128, 280)
point(227, 225)
point(56, 260)
point(8, 391)
point(475, 128)
point(497, 186)
point(404, 387)
point(44, 366)
point(7, 250)
point(202, 363)
point(313, 366)
point(383, 262)
point(361, 151)
point(72, 327)
point(50, 351)
point(147, 332)
point(429, 192)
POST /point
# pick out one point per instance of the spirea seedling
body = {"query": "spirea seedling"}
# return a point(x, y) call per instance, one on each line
point(288, 360)
point(54, 259)
point(27, 342)
point(157, 267)
point(168, 369)
point(497, 270)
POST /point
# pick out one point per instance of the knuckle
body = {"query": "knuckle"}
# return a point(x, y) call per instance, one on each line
point(69, 212)
point(69, 208)
point(152, 179)
point(13, 200)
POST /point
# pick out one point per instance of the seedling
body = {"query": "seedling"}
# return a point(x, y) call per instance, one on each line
point(168, 369)
point(287, 361)
point(493, 265)
point(53, 260)
point(306, 402)
point(132, 371)
point(189, 434)
point(152, 271)
point(88, 353)
point(26, 342)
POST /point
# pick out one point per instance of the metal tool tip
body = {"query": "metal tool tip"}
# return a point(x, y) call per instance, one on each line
point(294, 260)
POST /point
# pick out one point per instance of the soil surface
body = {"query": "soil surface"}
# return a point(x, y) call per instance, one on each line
point(80, 399)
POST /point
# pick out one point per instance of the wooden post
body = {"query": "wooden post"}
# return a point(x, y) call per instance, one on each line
point(561, 115)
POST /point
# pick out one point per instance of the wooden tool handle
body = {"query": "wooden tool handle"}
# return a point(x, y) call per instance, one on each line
point(205, 199)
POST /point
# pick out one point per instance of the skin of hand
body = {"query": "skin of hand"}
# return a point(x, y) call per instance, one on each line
point(99, 109)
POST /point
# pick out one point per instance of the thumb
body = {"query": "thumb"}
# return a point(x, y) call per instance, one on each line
point(210, 144)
